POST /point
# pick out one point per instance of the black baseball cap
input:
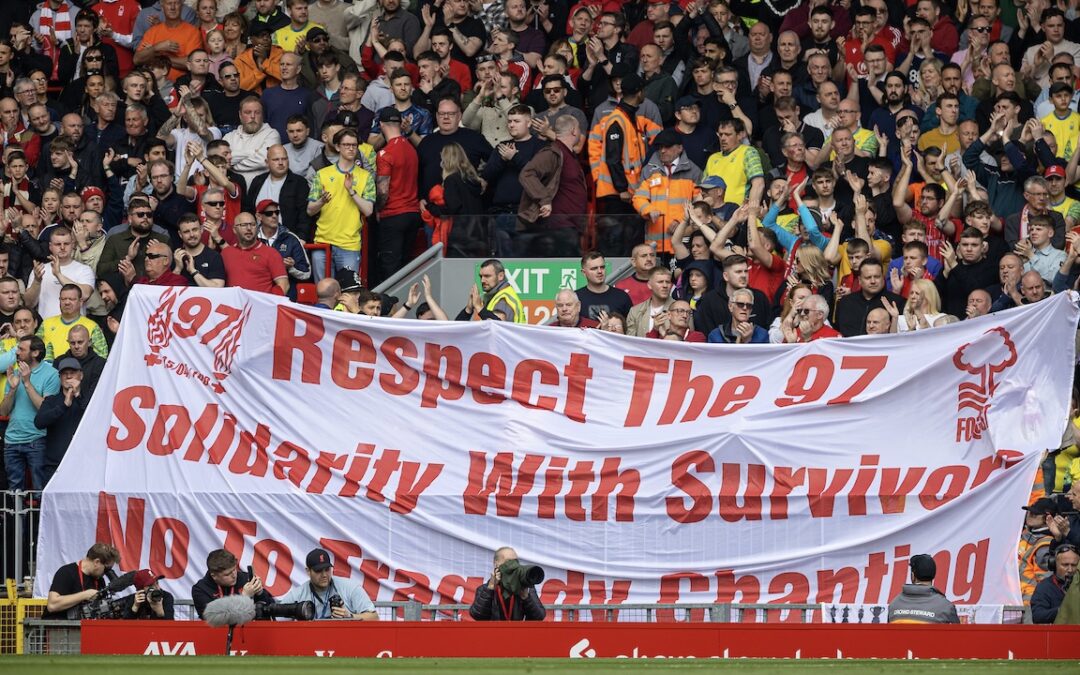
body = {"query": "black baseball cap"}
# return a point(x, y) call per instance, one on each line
point(1042, 507)
point(390, 115)
point(687, 102)
point(318, 560)
point(923, 567)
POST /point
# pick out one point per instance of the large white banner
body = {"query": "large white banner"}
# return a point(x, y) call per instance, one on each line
point(632, 470)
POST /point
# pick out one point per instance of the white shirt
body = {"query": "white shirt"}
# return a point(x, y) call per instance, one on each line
point(816, 119)
point(271, 189)
point(903, 327)
point(49, 297)
point(183, 137)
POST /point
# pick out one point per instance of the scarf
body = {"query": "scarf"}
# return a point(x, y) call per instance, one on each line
point(59, 20)
point(9, 190)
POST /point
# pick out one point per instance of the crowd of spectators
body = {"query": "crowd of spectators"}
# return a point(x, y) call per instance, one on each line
point(778, 171)
point(910, 164)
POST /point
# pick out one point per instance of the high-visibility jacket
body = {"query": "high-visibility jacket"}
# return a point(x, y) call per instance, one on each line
point(1031, 549)
point(1038, 487)
point(670, 194)
point(508, 294)
point(638, 134)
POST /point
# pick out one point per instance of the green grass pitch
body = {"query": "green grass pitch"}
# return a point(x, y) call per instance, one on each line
point(209, 665)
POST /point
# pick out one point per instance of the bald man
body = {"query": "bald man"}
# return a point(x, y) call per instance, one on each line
point(158, 266)
point(978, 303)
point(282, 185)
point(878, 322)
point(328, 291)
point(568, 311)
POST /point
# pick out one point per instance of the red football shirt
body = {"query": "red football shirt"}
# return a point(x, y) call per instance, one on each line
point(399, 161)
point(253, 268)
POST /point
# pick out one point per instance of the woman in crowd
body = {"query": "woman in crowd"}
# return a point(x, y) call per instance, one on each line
point(206, 12)
point(461, 190)
point(794, 295)
point(812, 269)
point(77, 94)
point(923, 307)
point(234, 28)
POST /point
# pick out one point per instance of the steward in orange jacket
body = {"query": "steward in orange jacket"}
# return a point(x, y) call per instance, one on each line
point(619, 142)
point(667, 187)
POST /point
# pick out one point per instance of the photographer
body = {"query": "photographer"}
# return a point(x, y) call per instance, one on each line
point(149, 601)
point(224, 577)
point(77, 582)
point(334, 598)
point(506, 595)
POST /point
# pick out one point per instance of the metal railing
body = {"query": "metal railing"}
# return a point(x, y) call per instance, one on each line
point(408, 272)
point(21, 511)
point(52, 636)
point(626, 612)
point(499, 235)
point(63, 636)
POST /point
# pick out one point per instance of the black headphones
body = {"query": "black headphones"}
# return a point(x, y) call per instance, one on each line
point(1051, 564)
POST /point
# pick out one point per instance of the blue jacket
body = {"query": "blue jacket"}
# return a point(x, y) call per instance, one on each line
point(722, 335)
point(1005, 190)
point(290, 246)
point(787, 239)
point(1046, 600)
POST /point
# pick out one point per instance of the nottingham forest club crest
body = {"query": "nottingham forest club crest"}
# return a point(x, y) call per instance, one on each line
point(985, 358)
point(218, 326)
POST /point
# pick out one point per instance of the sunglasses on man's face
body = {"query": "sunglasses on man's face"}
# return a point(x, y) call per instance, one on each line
point(155, 256)
point(219, 204)
point(271, 212)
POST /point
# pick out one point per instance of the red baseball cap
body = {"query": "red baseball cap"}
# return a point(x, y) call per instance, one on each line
point(145, 579)
point(264, 204)
point(1055, 170)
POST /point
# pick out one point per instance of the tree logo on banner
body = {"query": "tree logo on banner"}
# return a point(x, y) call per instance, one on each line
point(987, 357)
point(187, 319)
